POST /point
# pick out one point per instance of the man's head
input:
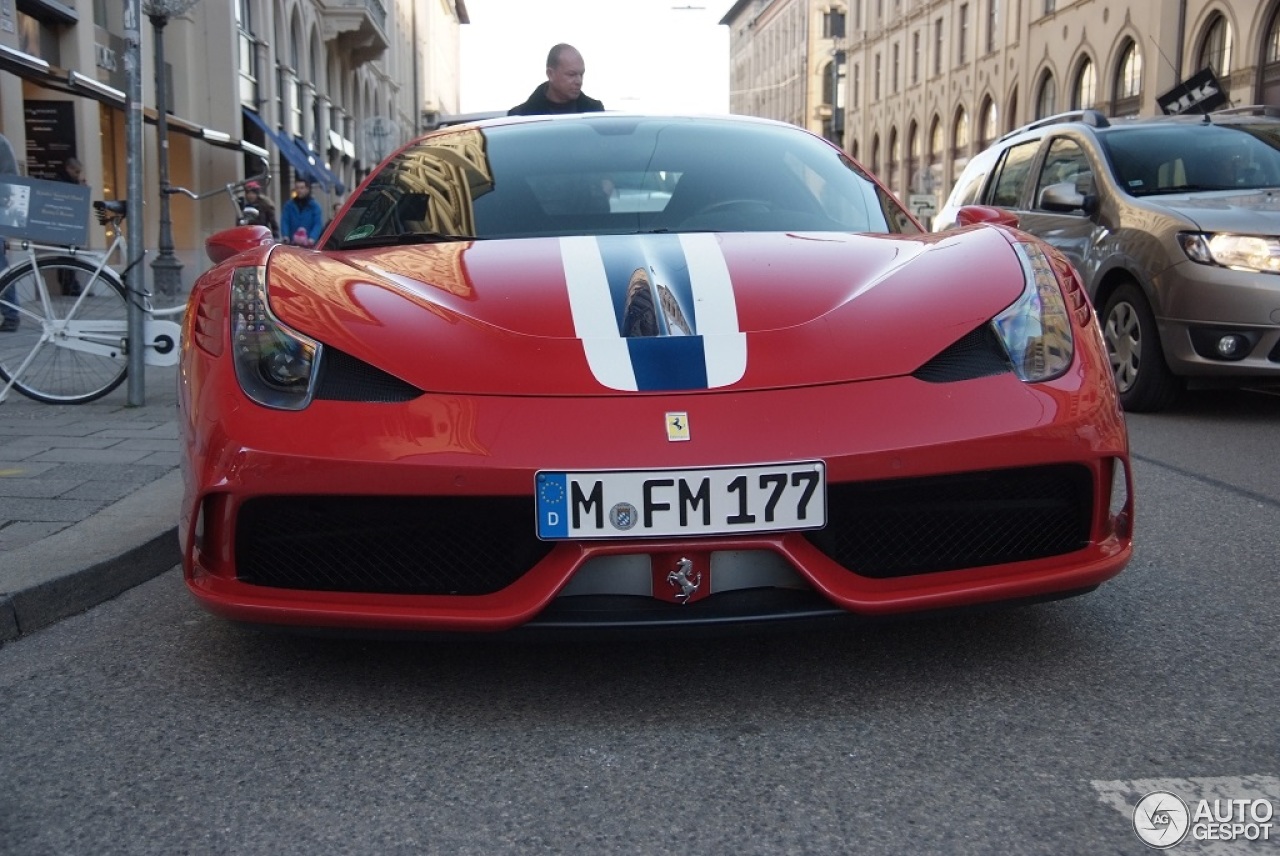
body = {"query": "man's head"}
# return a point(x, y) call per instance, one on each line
point(301, 188)
point(74, 169)
point(565, 69)
point(252, 189)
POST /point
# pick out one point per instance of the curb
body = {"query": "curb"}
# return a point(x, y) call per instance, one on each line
point(125, 544)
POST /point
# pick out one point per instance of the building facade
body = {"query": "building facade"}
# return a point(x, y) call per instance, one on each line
point(322, 88)
point(926, 84)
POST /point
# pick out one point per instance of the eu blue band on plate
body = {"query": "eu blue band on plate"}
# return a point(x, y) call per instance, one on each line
point(553, 505)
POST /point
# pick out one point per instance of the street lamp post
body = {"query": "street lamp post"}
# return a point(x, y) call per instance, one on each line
point(166, 270)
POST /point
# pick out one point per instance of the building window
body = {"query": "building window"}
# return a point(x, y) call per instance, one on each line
point(875, 82)
point(857, 85)
point(875, 155)
point(1046, 97)
point(993, 22)
point(913, 178)
point(895, 159)
point(935, 144)
point(1215, 50)
point(1050, 6)
point(1085, 91)
point(937, 46)
point(960, 136)
point(896, 63)
point(915, 57)
point(248, 55)
point(1128, 82)
point(960, 142)
point(962, 45)
point(1271, 64)
point(988, 124)
point(833, 24)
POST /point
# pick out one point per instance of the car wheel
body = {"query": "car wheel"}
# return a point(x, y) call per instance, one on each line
point(1142, 376)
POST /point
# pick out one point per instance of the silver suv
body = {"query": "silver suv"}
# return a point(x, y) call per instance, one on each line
point(1173, 223)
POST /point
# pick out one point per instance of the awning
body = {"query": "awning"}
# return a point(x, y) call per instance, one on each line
point(331, 181)
point(302, 165)
point(73, 82)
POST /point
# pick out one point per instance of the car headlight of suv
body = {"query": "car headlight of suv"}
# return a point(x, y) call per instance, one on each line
point(276, 366)
point(1241, 252)
point(1036, 329)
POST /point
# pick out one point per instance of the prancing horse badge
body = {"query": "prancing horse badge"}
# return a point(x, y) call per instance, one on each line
point(677, 427)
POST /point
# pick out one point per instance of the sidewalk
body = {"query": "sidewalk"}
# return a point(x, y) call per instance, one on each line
point(88, 500)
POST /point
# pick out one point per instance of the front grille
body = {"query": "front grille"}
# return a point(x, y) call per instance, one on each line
point(919, 526)
point(414, 545)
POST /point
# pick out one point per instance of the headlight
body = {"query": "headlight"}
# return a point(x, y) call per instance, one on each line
point(1036, 329)
point(1241, 252)
point(276, 366)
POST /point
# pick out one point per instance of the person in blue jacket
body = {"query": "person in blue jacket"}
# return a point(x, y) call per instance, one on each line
point(301, 220)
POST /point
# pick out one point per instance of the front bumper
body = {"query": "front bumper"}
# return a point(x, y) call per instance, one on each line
point(272, 496)
point(1196, 300)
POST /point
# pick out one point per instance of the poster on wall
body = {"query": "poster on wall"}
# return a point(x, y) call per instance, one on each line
point(51, 137)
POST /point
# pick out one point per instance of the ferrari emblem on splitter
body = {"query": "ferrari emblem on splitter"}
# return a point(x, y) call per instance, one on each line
point(677, 426)
point(685, 578)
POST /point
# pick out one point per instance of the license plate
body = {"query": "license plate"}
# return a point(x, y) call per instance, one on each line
point(658, 503)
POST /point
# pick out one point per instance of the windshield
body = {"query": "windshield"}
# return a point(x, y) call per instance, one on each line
point(615, 175)
point(1180, 158)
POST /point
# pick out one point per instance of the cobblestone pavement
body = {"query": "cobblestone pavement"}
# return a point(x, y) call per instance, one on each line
point(88, 499)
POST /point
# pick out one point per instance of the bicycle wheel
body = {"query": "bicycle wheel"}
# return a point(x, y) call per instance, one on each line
point(69, 345)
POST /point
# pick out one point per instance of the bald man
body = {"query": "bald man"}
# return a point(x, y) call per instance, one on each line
point(562, 92)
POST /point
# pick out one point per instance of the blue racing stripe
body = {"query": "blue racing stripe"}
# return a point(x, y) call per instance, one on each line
point(668, 363)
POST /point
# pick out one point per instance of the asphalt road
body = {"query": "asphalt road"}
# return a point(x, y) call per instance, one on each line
point(146, 726)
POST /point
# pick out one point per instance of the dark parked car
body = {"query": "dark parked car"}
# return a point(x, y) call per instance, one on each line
point(1172, 222)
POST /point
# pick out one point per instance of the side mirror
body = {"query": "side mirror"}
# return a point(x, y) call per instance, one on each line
point(221, 246)
point(970, 215)
point(1067, 197)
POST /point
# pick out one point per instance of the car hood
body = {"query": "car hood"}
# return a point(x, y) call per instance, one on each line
point(1249, 211)
point(660, 313)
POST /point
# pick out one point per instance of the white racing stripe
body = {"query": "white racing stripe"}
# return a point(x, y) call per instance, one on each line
point(716, 310)
point(594, 320)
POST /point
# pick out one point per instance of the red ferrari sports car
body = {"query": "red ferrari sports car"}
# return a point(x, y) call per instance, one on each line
point(620, 371)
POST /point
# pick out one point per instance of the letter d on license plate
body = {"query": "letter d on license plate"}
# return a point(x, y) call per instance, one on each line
point(660, 503)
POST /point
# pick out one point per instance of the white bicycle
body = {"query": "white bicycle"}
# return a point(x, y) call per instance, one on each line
point(65, 335)
point(70, 345)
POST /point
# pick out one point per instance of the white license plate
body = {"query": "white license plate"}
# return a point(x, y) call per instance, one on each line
point(657, 503)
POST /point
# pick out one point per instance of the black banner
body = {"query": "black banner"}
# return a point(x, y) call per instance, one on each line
point(1200, 93)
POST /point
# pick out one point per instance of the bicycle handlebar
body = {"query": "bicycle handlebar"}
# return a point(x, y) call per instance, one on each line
point(263, 178)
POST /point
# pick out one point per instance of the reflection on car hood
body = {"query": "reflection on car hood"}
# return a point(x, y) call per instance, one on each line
point(1249, 211)
point(595, 315)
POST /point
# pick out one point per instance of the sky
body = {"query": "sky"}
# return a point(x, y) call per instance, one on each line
point(648, 56)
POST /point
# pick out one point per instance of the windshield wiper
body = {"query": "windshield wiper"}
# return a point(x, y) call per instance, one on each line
point(1182, 188)
point(402, 239)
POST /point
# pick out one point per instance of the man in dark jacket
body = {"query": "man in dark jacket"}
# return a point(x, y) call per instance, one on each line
point(562, 93)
